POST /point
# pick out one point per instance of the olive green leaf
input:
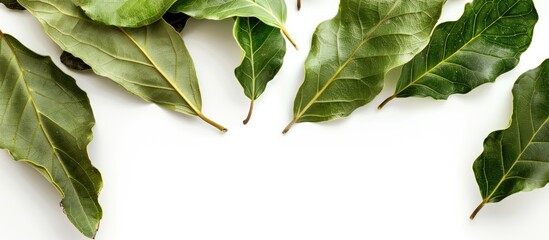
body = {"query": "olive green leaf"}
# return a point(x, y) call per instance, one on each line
point(125, 13)
point(516, 159)
point(177, 20)
point(12, 4)
point(263, 49)
point(271, 12)
point(46, 122)
point(152, 62)
point(73, 62)
point(351, 54)
point(484, 43)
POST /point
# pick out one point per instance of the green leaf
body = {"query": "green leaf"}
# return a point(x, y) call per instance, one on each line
point(125, 13)
point(484, 43)
point(263, 49)
point(73, 62)
point(151, 62)
point(12, 4)
point(176, 20)
point(516, 159)
point(46, 122)
point(271, 12)
point(351, 54)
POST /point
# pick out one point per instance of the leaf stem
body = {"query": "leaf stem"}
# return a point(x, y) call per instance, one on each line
point(386, 101)
point(289, 37)
point(474, 214)
point(209, 121)
point(287, 129)
point(298, 5)
point(249, 113)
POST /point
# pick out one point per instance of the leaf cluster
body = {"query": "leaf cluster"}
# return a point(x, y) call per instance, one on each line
point(48, 119)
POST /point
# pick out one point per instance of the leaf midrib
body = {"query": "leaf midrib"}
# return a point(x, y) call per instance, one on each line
point(344, 65)
point(46, 134)
point(159, 70)
point(456, 52)
point(252, 53)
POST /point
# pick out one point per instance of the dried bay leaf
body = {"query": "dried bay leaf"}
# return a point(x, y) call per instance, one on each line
point(125, 13)
point(263, 48)
point(271, 12)
point(517, 159)
point(176, 20)
point(151, 62)
point(46, 122)
point(484, 43)
point(352, 52)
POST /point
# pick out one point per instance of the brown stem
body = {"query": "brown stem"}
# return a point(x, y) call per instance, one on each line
point(298, 5)
point(249, 113)
point(209, 121)
point(289, 38)
point(385, 102)
point(474, 214)
point(287, 129)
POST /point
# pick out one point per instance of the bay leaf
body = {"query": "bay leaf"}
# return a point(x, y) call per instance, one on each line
point(151, 62)
point(125, 13)
point(484, 43)
point(46, 122)
point(271, 12)
point(352, 52)
point(176, 20)
point(516, 159)
point(263, 49)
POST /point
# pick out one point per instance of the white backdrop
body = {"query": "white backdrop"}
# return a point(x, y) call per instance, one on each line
point(401, 173)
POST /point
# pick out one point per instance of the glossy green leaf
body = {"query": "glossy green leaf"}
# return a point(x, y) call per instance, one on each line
point(271, 12)
point(351, 54)
point(12, 4)
point(46, 122)
point(263, 53)
point(152, 62)
point(484, 43)
point(125, 13)
point(73, 62)
point(517, 158)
